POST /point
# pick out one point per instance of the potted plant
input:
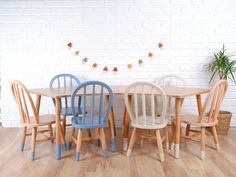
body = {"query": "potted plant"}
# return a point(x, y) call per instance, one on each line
point(222, 67)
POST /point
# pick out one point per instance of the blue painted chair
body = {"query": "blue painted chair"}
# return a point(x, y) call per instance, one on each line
point(97, 113)
point(65, 81)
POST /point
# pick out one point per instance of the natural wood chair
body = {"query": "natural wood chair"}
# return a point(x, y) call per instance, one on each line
point(170, 80)
point(146, 119)
point(30, 118)
point(207, 118)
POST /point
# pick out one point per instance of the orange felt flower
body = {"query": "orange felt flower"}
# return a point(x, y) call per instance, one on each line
point(69, 45)
point(105, 69)
point(77, 53)
point(94, 65)
point(150, 55)
point(130, 66)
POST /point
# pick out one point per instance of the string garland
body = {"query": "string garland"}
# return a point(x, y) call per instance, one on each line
point(105, 69)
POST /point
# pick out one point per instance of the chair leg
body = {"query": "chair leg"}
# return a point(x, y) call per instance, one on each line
point(71, 136)
point(24, 131)
point(33, 140)
point(173, 134)
point(159, 143)
point(89, 133)
point(78, 144)
point(64, 125)
point(103, 142)
point(215, 137)
point(51, 132)
point(203, 138)
point(187, 129)
point(167, 137)
point(131, 143)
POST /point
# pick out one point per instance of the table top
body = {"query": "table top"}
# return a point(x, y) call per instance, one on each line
point(179, 92)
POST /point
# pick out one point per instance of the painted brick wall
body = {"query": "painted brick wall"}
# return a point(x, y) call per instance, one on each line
point(34, 34)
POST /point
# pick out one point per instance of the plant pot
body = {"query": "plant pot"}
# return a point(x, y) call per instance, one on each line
point(224, 118)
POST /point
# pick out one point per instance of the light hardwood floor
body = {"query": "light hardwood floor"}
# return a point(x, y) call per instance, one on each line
point(144, 161)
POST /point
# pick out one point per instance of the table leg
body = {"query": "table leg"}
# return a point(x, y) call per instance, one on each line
point(112, 134)
point(178, 104)
point(59, 134)
point(126, 126)
point(199, 104)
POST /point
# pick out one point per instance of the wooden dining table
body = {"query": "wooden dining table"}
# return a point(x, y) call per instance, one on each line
point(178, 93)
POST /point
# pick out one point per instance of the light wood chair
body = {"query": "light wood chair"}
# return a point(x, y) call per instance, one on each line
point(146, 119)
point(30, 118)
point(207, 119)
point(170, 80)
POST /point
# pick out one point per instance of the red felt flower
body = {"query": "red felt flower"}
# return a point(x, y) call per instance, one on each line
point(69, 45)
point(115, 69)
point(105, 69)
point(160, 45)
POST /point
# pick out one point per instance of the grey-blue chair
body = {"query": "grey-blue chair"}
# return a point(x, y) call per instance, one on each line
point(65, 81)
point(93, 103)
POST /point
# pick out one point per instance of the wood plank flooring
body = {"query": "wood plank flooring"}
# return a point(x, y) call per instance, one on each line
point(143, 162)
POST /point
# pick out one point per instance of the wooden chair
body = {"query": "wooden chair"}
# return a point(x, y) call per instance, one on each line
point(30, 118)
point(65, 81)
point(171, 80)
point(208, 117)
point(147, 118)
point(96, 118)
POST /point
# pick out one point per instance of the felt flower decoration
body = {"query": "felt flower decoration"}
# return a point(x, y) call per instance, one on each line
point(105, 69)
point(77, 53)
point(84, 60)
point(69, 45)
point(150, 55)
point(130, 66)
point(140, 62)
point(115, 70)
point(95, 65)
point(160, 45)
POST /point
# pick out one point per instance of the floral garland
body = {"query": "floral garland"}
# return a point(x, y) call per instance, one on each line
point(115, 69)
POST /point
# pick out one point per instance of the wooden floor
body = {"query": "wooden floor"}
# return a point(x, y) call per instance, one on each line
point(143, 161)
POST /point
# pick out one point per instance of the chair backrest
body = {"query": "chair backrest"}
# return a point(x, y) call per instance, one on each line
point(24, 102)
point(95, 107)
point(213, 101)
point(64, 81)
point(171, 80)
point(144, 92)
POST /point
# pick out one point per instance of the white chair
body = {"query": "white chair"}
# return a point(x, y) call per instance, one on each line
point(170, 80)
point(146, 118)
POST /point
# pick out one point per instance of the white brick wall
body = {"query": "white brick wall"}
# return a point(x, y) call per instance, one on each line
point(34, 34)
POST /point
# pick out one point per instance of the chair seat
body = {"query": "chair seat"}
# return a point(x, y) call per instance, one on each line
point(77, 123)
point(44, 119)
point(194, 120)
point(139, 123)
point(67, 111)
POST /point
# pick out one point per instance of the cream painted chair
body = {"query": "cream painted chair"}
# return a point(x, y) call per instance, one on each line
point(170, 80)
point(208, 117)
point(146, 118)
